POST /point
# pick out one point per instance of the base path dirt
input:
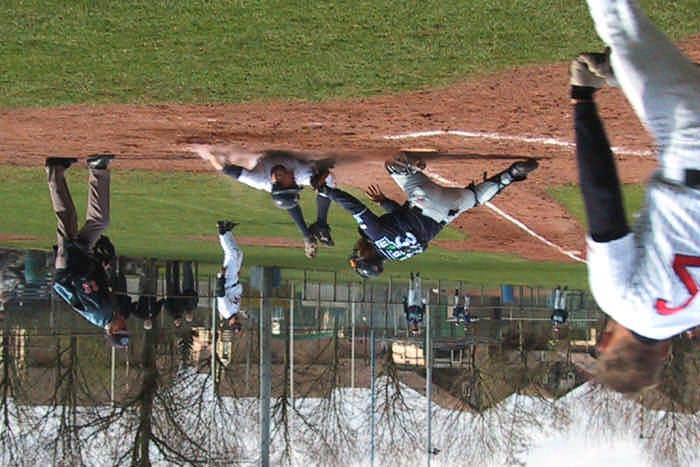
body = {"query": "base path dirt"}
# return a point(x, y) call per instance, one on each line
point(518, 113)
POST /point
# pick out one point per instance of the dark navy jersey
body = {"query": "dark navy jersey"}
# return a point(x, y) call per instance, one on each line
point(399, 234)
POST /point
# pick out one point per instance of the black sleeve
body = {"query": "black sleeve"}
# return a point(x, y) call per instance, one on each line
point(389, 205)
point(220, 285)
point(346, 200)
point(598, 178)
point(298, 218)
point(367, 220)
point(233, 171)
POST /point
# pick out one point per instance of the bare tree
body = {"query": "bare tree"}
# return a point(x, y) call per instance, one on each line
point(396, 421)
point(18, 420)
point(325, 420)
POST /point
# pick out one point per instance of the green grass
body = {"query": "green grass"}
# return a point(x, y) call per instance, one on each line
point(165, 215)
point(569, 196)
point(58, 52)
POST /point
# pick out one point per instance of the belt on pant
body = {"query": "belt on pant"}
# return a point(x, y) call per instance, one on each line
point(692, 178)
point(232, 286)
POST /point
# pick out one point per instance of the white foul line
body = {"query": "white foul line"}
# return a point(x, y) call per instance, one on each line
point(546, 141)
point(511, 219)
point(539, 237)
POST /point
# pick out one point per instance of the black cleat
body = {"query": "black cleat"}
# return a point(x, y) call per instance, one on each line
point(225, 226)
point(322, 233)
point(99, 161)
point(519, 170)
point(64, 162)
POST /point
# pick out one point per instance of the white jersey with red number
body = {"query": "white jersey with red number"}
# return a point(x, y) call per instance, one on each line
point(259, 177)
point(648, 281)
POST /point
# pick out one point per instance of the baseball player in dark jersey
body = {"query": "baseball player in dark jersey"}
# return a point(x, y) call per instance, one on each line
point(406, 230)
point(283, 174)
point(647, 280)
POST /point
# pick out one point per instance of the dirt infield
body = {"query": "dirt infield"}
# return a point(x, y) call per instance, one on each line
point(502, 110)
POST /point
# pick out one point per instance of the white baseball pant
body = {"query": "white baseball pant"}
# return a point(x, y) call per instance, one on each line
point(445, 204)
point(229, 304)
point(661, 84)
point(415, 292)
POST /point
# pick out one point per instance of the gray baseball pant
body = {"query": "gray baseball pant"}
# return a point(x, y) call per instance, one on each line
point(445, 204)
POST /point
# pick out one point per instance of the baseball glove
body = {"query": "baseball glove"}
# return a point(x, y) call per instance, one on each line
point(593, 70)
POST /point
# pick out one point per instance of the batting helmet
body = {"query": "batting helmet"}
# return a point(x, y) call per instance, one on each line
point(285, 198)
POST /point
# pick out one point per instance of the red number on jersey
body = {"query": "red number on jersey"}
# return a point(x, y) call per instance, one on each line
point(681, 263)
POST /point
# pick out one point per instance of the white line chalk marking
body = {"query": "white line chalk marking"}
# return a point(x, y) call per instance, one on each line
point(539, 237)
point(546, 141)
point(510, 218)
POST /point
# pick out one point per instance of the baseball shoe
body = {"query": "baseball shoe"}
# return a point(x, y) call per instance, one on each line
point(404, 164)
point(519, 170)
point(64, 162)
point(225, 226)
point(99, 161)
point(322, 233)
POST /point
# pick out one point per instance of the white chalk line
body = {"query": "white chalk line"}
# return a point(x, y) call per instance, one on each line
point(511, 219)
point(546, 141)
point(539, 237)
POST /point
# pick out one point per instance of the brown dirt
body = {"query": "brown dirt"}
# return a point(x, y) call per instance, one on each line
point(8, 237)
point(529, 101)
point(280, 242)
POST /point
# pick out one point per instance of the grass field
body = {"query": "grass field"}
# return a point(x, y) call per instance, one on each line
point(570, 197)
point(199, 51)
point(57, 52)
point(173, 216)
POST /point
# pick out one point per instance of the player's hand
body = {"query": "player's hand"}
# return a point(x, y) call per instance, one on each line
point(375, 193)
point(205, 153)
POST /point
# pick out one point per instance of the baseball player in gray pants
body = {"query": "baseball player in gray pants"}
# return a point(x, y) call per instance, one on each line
point(405, 230)
point(647, 280)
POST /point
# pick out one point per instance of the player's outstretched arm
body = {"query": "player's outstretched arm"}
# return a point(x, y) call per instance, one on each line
point(346, 200)
point(298, 217)
point(598, 177)
point(376, 194)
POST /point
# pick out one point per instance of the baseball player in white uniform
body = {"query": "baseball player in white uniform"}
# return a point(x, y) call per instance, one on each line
point(559, 314)
point(414, 304)
point(228, 286)
point(646, 280)
point(282, 174)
